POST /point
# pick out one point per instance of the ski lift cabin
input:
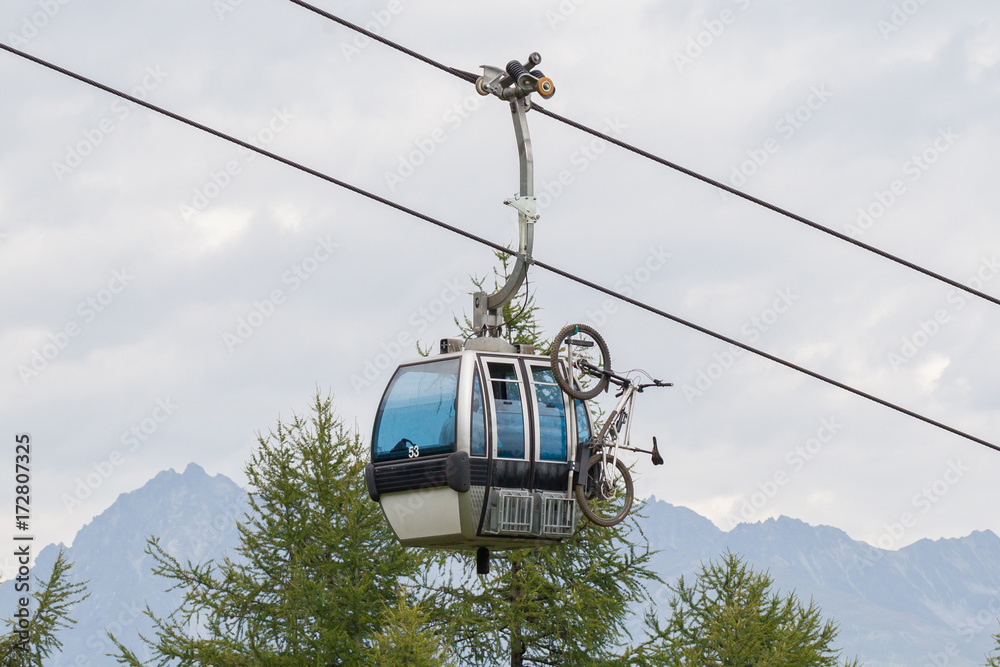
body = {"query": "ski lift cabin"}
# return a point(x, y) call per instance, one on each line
point(475, 448)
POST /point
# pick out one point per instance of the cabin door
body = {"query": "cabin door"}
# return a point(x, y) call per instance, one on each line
point(531, 421)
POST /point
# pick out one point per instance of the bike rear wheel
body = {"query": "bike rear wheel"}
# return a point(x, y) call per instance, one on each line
point(606, 495)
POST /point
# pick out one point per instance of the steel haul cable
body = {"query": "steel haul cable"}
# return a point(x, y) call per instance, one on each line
point(495, 246)
point(466, 76)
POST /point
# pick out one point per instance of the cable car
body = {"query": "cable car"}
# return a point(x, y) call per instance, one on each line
point(476, 448)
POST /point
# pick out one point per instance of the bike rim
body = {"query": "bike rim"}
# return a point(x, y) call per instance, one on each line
point(607, 490)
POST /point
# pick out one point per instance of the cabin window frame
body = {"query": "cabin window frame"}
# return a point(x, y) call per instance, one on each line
point(567, 406)
point(437, 450)
point(526, 422)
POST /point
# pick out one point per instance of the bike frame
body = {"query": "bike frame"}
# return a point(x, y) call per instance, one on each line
point(601, 475)
point(615, 433)
point(616, 421)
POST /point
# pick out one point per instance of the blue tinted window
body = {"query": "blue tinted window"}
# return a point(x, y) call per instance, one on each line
point(551, 415)
point(417, 415)
point(478, 436)
point(509, 410)
point(582, 422)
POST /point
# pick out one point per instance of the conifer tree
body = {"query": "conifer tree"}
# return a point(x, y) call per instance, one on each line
point(730, 615)
point(553, 605)
point(317, 577)
point(37, 640)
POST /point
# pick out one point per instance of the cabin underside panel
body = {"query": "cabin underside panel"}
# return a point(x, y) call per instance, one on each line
point(425, 517)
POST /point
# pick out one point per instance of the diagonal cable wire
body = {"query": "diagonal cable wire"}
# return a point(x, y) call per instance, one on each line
point(249, 146)
point(466, 76)
point(761, 353)
point(495, 246)
point(760, 202)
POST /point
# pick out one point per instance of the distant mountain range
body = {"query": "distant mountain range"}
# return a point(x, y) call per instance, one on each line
point(931, 603)
point(935, 602)
point(193, 514)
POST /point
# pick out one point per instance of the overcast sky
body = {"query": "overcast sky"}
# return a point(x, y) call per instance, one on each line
point(167, 295)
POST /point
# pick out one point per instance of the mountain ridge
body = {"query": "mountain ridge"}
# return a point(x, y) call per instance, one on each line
point(932, 602)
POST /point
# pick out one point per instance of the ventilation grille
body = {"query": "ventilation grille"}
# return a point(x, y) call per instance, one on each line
point(517, 512)
point(558, 516)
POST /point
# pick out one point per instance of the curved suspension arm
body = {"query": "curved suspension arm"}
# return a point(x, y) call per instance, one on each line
point(524, 202)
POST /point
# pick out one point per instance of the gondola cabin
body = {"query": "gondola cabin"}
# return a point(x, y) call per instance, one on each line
point(475, 448)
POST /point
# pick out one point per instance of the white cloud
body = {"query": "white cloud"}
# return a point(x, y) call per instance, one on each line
point(356, 120)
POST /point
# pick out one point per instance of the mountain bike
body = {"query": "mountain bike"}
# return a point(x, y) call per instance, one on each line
point(581, 364)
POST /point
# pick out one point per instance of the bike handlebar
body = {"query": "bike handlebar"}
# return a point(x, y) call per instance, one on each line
point(619, 380)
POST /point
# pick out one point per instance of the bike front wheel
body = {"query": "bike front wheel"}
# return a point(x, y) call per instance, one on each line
point(606, 495)
point(574, 344)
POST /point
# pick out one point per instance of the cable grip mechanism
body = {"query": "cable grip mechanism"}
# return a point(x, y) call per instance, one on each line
point(515, 80)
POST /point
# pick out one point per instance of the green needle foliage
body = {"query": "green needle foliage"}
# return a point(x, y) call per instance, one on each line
point(52, 604)
point(730, 616)
point(318, 576)
point(557, 605)
point(993, 660)
point(518, 314)
point(405, 641)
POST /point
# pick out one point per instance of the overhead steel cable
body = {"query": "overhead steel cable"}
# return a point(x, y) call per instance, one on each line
point(466, 76)
point(248, 146)
point(495, 246)
point(772, 207)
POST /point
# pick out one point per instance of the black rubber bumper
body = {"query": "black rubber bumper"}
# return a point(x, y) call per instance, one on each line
point(452, 471)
